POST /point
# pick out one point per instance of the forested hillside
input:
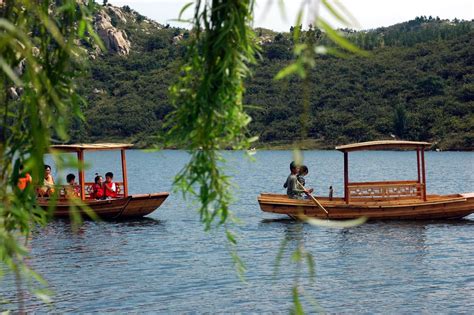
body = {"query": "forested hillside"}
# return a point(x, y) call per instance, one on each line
point(417, 84)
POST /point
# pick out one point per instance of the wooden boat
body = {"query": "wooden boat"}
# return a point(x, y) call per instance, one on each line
point(122, 207)
point(400, 200)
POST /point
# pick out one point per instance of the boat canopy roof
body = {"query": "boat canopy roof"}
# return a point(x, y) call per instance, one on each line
point(383, 144)
point(90, 146)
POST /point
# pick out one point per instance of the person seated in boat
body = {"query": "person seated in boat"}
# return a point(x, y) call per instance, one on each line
point(110, 189)
point(293, 165)
point(71, 190)
point(47, 189)
point(98, 187)
point(294, 189)
point(301, 174)
point(24, 180)
point(303, 171)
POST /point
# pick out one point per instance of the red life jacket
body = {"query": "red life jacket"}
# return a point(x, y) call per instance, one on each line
point(108, 193)
point(97, 191)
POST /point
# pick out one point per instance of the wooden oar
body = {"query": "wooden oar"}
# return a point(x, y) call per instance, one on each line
point(320, 206)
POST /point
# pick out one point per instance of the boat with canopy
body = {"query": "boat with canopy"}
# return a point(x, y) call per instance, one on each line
point(120, 207)
point(377, 199)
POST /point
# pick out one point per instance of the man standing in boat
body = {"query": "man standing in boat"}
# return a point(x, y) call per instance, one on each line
point(294, 190)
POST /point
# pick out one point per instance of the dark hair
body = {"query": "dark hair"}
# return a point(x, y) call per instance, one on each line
point(303, 169)
point(46, 166)
point(70, 177)
point(109, 174)
point(293, 165)
point(97, 177)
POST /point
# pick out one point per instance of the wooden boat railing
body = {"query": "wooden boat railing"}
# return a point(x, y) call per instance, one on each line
point(64, 191)
point(89, 189)
point(388, 190)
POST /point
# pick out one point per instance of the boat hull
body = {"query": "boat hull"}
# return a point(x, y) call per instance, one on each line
point(121, 208)
point(435, 207)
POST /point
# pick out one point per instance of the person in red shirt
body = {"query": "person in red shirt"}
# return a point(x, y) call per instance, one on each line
point(110, 189)
point(98, 187)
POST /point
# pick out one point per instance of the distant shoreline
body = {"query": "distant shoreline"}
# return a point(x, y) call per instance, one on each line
point(309, 144)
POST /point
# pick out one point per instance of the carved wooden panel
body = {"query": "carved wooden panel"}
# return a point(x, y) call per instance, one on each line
point(384, 191)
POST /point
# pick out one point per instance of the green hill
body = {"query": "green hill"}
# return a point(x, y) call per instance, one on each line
point(418, 84)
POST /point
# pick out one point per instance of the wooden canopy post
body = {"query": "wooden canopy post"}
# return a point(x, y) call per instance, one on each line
point(124, 173)
point(418, 164)
point(80, 157)
point(423, 172)
point(419, 190)
point(346, 177)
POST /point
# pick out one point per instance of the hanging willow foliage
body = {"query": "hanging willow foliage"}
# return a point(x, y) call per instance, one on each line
point(209, 114)
point(39, 57)
point(306, 50)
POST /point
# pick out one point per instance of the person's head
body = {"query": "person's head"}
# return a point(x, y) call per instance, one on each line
point(98, 179)
point(47, 170)
point(294, 168)
point(303, 170)
point(109, 176)
point(71, 179)
point(21, 169)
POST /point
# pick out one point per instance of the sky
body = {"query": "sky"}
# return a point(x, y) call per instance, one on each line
point(368, 14)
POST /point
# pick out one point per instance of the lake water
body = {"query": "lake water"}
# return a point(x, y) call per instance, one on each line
point(166, 263)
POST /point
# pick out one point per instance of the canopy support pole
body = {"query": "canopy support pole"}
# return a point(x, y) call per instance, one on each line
point(124, 173)
point(80, 157)
point(418, 164)
point(420, 190)
point(346, 177)
point(423, 172)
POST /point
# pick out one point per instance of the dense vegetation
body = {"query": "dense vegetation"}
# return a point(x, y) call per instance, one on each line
point(418, 84)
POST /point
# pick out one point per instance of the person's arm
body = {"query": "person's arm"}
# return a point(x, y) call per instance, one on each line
point(106, 187)
point(111, 189)
point(301, 188)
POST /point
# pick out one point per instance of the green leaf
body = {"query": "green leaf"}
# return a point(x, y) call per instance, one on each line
point(297, 27)
point(184, 8)
point(335, 13)
point(288, 70)
point(297, 307)
point(10, 73)
point(341, 41)
point(341, 224)
point(230, 237)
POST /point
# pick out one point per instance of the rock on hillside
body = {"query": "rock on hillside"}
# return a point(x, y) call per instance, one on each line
point(115, 40)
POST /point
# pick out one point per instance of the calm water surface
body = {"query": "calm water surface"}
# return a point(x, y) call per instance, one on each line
point(167, 264)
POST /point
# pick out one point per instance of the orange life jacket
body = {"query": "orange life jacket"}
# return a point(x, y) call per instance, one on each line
point(24, 181)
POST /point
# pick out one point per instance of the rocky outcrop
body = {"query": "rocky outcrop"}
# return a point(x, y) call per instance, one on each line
point(115, 40)
point(119, 14)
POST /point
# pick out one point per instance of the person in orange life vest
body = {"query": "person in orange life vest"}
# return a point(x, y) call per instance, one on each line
point(24, 179)
point(72, 191)
point(98, 187)
point(110, 189)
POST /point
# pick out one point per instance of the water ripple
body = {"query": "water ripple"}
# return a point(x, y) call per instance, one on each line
point(166, 263)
